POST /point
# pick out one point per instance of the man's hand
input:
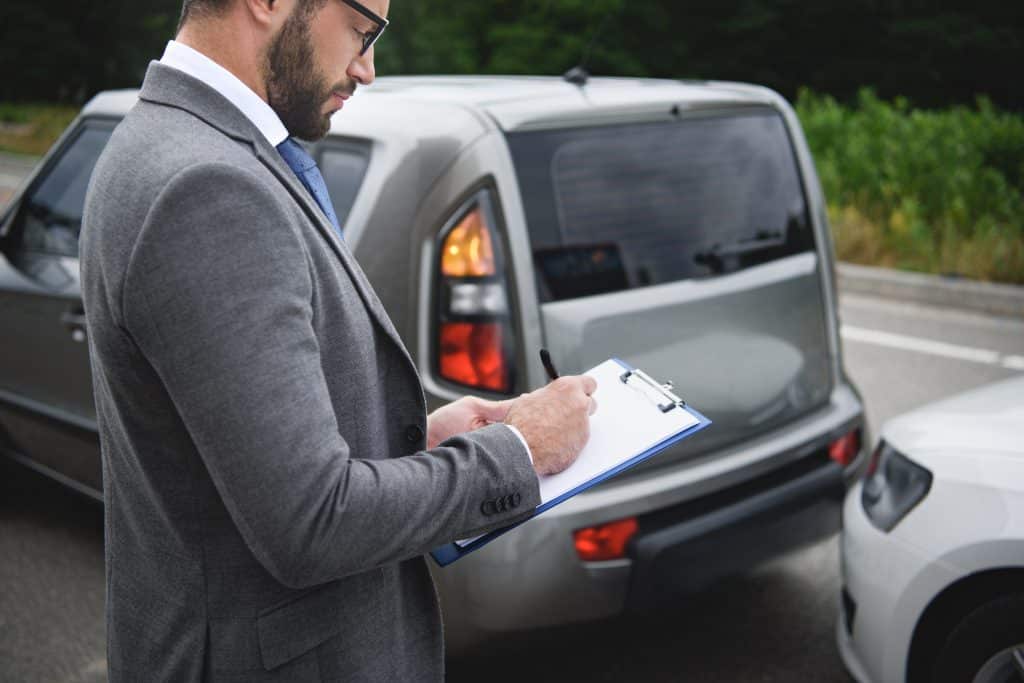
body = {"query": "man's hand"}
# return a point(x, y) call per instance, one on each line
point(555, 421)
point(464, 415)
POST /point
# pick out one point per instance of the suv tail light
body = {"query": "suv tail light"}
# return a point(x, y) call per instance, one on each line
point(605, 542)
point(474, 342)
point(844, 450)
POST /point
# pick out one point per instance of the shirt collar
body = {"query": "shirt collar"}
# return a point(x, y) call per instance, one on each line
point(194, 63)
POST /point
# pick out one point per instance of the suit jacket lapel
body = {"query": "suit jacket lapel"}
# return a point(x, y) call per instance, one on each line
point(273, 161)
point(168, 86)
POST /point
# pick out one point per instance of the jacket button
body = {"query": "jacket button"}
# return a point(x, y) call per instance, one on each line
point(488, 508)
point(414, 434)
point(515, 499)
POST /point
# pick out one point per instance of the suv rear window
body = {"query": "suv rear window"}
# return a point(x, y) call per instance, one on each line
point(619, 207)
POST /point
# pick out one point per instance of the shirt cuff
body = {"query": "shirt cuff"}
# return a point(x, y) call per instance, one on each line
point(525, 445)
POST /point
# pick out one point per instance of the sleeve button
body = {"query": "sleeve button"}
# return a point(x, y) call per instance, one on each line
point(414, 434)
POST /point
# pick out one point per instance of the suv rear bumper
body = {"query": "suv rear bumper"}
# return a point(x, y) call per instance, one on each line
point(683, 549)
point(715, 515)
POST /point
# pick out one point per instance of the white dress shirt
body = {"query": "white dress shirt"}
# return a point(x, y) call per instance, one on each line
point(197, 65)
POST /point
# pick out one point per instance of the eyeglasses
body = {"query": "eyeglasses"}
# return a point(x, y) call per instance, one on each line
point(368, 38)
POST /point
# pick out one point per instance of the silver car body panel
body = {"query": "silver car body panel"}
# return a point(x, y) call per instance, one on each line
point(740, 347)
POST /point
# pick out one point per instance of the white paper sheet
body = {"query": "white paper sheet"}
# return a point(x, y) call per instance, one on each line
point(627, 423)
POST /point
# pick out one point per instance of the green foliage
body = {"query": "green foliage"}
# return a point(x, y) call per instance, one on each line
point(939, 191)
point(66, 51)
point(936, 52)
point(32, 128)
point(933, 52)
point(503, 37)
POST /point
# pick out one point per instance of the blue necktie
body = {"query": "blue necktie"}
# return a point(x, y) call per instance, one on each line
point(306, 169)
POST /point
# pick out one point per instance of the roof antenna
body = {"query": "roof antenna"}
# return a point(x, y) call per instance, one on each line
point(579, 75)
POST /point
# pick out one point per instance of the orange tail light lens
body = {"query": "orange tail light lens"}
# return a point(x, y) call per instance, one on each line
point(475, 339)
point(605, 542)
point(844, 450)
point(468, 250)
point(472, 354)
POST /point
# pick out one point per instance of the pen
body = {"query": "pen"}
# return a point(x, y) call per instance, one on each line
point(549, 367)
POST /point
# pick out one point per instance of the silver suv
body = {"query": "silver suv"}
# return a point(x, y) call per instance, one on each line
point(678, 226)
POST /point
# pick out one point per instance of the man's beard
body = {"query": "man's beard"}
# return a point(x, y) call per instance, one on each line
point(296, 91)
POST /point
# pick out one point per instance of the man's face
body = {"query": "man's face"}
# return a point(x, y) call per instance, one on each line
point(313, 64)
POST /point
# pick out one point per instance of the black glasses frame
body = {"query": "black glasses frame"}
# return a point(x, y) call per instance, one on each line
point(370, 38)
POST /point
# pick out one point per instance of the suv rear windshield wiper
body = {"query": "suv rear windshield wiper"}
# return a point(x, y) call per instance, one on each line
point(717, 255)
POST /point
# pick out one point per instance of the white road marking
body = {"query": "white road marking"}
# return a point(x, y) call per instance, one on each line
point(932, 347)
point(945, 315)
point(11, 181)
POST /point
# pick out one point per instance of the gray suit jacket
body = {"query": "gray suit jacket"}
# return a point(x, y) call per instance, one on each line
point(268, 498)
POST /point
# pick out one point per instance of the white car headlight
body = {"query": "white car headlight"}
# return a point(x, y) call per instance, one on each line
point(894, 485)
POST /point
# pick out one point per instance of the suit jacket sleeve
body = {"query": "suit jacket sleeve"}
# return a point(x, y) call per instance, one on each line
point(217, 295)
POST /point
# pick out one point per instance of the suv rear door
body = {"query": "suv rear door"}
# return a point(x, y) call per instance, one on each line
point(47, 414)
point(686, 248)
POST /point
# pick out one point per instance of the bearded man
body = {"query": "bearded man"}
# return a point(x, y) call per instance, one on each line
point(271, 478)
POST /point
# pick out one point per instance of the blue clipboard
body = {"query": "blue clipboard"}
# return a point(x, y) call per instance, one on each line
point(451, 552)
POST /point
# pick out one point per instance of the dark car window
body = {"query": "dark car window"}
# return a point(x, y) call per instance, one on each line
point(343, 165)
point(51, 215)
point(620, 207)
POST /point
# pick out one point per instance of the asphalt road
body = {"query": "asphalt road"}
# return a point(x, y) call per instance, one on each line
point(774, 624)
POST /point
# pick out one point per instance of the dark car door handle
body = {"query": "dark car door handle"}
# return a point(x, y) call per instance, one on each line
point(75, 321)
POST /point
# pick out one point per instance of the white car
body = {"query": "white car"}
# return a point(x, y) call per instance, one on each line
point(933, 545)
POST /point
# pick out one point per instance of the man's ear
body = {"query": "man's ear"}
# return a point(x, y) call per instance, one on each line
point(268, 13)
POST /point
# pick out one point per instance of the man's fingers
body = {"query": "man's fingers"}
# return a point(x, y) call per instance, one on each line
point(593, 405)
point(494, 411)
point(589, 384)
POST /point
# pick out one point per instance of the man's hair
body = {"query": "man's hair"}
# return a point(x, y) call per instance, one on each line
point(195, 9)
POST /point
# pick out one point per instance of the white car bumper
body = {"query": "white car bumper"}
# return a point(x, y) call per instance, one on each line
point(881, 607)
point(846, 651)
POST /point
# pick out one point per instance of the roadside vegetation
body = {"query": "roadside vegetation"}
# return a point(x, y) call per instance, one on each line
point(32, 128)
point(939, 191)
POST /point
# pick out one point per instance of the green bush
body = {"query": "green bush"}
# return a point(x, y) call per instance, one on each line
point(32, 128)
point(932, 190)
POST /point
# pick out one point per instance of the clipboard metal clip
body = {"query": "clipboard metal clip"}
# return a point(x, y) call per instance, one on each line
point(661, 394)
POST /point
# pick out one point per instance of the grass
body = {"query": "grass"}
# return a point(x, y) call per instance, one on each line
point(937, 191)
point(32, 128)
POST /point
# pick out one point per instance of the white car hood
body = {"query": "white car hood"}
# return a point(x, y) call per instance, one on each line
point(984, 423)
